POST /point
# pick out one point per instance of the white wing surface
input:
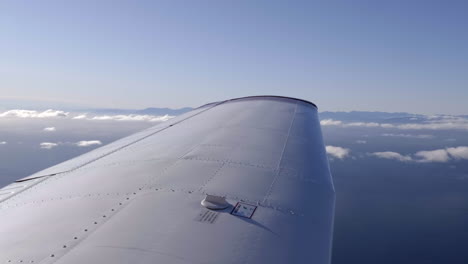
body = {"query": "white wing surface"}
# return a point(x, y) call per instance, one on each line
point(260, 160)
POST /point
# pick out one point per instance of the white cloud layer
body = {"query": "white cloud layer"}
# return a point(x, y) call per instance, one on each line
point(88, 143)
point(3, 142)
point(431, 123)
point(83, 143)
point(391, 155)
point(360, 141)
point(49, 129)
point(330, 122)
point(437, 155)
point(408, 136)
point(458, 152)
point(435, 126)
point(150, 118)
point(337, 152)
point(48, 145)
point(80, 117)
point(18, 113)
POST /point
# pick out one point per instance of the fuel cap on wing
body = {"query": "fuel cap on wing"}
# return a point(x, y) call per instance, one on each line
point(214, 202)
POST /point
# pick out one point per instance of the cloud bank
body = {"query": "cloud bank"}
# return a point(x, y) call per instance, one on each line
point(330, 122)
point(21, 113)
point(437, 155)
point(430, 123)
point(83, 143)
point(150, 118)
point(18, 113)
point(407, 136)
point(49, 129)
point(391, 155)
point(337, 152)
point(80, 117)
point(88, 143)
point(48, 145)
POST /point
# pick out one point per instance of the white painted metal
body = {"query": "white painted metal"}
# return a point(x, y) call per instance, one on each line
point(214, 202)
point(137, 200)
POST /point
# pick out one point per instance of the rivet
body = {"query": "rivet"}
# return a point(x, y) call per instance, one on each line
point(95, 223)
point(75, 238)
point(128, 198)
point(64, 246)
point(52, 255)
point(112, 210)
point(120, 203)
point(103, 216)
point(86, 230)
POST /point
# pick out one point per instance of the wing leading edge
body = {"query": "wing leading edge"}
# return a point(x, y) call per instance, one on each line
point(138, 200)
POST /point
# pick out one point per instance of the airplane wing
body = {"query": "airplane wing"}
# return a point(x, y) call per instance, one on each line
point(245, 180)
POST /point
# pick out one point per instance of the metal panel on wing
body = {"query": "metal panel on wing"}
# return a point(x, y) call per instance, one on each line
point(140, 199)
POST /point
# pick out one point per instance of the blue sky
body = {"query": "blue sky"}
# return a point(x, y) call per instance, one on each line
point(343, 55)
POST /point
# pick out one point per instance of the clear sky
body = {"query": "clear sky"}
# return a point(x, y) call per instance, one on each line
point(343, 55)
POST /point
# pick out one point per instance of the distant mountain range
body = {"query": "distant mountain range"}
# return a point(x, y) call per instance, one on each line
point(9, 104)
point(148, 111)
point(353, 116)
point(364, 116)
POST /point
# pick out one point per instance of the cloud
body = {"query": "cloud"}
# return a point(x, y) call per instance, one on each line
point(391, 155)
point(438, 155)
point(362, 124)
point(3, 142)
point(330, 122)
point(88, 143)
point(430, 123)
point(361, 141)
point(49, 129)
point(337, 152)
point(435, 126)
point(80, 117)
point(150, 118)
point(83, 143)
point(21, 113)
point(48, 145)
point(34, 114)
point(458, 152)
point(408, 136)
